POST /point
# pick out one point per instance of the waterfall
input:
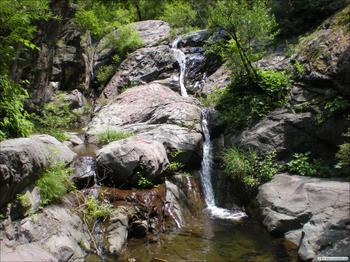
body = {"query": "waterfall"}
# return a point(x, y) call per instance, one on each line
point(181, 59)
point(205, 176)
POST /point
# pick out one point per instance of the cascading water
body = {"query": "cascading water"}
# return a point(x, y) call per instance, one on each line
point(181, 59)
point(205, 175)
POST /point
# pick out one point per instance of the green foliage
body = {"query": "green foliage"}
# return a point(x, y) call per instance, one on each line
point(301, 164)
point(104, 74)
point(94, 209)
point(180, 15)
point(100, 17)
point(14, 120)
point(299, 68)
point(175, 166)
point(57, 116)
point(127, 41)
point(54, 183)
point(24, 199)
point(110, 135)
point(250, 27)
point(336, 105)
point(17, 27)
point(144, 182)
point(244, 100)
point(343, 154)
point(248, 167)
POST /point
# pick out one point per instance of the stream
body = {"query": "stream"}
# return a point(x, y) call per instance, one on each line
point(216, 234)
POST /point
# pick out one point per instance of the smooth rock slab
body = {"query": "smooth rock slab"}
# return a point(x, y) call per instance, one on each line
point(23, 159)
point(318, 207)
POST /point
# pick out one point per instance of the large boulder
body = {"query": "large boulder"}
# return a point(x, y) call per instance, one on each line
point(23, 159)
point(126, 161)
point(162, 122)
point(286, 132)
point(143, 108)
point(311, 212)
point(142, 66)
point(56, 234)
point(326, 54)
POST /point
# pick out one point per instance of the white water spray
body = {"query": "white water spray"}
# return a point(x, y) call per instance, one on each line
point(181, 59)
point(205, 175)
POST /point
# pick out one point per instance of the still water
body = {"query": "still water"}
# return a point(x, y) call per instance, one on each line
point(212, 241)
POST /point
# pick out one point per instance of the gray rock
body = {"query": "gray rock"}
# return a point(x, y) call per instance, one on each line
point(218, 80)
point(125, 161)
point(288, 132)
point(311, 211)
point(142, 66)
point(154, 113)
point(22, 160)
point(117, 231)
point(194, 39)
point(143, 106)
point(56, 234)
point(152, 33)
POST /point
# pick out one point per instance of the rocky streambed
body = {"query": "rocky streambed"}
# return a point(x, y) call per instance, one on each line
point(168, 221)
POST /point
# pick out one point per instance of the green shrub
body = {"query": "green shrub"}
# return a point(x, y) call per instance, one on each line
point(144, 182)
point(301, 164)
point(128, 40)
point(180, 15)
point(110, 135)
point(24, 199)
point(58, 133)
point(104, 74)
point(14, 120)
point(175, 166)
point(94, 209)
point(299, 68)
point(249, 168)
point(343, 154)
point(245, 101)
point(54, 183)
point(55, 115)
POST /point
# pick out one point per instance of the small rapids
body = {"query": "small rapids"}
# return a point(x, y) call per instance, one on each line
point(181, 59)
point(205, 175)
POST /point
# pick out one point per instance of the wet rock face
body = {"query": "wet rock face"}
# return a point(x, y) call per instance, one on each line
point(22, 160)
point(311, 212)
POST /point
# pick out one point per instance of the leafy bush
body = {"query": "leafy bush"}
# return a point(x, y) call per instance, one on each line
point(54, 183)
point(343, 154)
point(14, 120)
point(180, 15)
point(56, 115)
point(301, 164)
point(249, 168)
point(100, 18)
point(104, 73)
point(110, 135)
point(299, 68)
point(128, 40)
point(245, 100)
point(144, 182)
point(94, 209)
point(175, 166)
